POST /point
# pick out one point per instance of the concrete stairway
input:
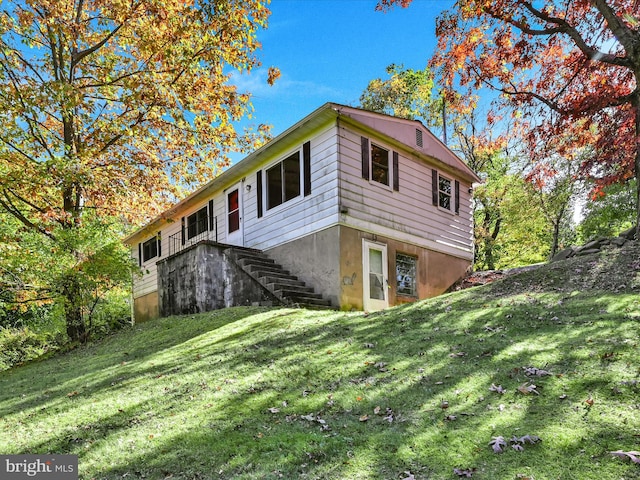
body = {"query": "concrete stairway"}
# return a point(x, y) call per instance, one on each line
point(287, 288)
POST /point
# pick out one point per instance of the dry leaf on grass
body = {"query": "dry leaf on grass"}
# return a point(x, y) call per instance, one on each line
point(633, 455)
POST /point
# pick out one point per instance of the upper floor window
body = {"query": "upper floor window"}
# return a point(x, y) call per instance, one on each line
point(283, 181)
point(197, 223)
point(444, 192)
point(379, 164)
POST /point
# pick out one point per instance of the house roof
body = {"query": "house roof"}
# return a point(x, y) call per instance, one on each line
point(435, 152)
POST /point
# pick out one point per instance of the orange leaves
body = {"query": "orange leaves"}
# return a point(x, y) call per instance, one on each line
point(142, 101)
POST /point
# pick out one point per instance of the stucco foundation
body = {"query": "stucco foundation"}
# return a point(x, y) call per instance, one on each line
point(314, 259)
point(436, 271)
point(145, 307)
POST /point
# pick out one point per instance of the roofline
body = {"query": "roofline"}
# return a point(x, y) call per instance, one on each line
point(244, 165)
point(235, 170)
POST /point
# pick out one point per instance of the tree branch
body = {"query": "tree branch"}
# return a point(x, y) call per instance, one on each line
point(561, 26)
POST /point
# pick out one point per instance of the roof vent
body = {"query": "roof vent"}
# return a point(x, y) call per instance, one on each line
point(418, 137)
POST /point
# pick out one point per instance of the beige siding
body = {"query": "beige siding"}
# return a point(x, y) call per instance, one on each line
point(408, 214)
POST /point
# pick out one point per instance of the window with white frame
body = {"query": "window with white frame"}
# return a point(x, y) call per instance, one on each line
point(197, 223)
point(151, 248)
point(283, 181)
point(379, 164)
point(444, 192)
point(406, 267)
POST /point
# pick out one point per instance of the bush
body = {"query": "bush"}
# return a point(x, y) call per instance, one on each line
point(19, 345)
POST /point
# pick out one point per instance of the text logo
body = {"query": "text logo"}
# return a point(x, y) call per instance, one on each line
point(39, 467)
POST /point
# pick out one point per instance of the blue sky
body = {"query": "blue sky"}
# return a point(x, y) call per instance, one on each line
point(329, 50)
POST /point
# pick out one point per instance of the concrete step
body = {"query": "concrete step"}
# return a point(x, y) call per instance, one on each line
point(288, 280)
point(289, 290)
point(298, 294)
point(264, 272)
point(312, 303)
point(248, 261)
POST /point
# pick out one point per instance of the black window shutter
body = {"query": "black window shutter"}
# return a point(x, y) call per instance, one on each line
point(457, 194)
point(434, 186)
point(159, 240)
point(396, 173)
point(259, 192)
point(139, 254)
point(182, 232)
point(211, 215)
point(306, 160)
point(364, 144)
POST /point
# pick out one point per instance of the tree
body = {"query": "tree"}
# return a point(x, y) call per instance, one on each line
point(567, 64)
point(405, 94)
point(116, 108)
point(609, 213)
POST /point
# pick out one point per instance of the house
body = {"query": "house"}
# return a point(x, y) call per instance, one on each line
point(348, 209)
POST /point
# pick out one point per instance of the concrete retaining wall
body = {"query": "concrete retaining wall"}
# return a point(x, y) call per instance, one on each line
point(204, 278)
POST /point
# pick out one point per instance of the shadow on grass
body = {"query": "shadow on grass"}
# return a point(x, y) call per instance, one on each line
point(254, 393)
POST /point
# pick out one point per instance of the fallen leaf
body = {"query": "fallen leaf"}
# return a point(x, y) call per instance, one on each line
point(457, 354)
point(589, 402)
point(532, 439)
point(376, 410)
point(444, 404)
point(535, 372)
point(498, 444)
point(364, 418)
point(527, 388)
point(497, 389)
point(450, 418)
point(409, 477)
point(72, 394)
point(634, 456)
point(274, 410)
point(464, 472)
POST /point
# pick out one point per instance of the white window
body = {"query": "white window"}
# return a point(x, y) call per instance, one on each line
point(379, 164)
point(283, 181)
point(444, 192)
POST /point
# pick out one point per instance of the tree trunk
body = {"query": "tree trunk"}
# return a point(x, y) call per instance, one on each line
point(72, 294)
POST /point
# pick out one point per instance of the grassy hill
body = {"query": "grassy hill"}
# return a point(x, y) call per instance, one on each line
point(416, 392)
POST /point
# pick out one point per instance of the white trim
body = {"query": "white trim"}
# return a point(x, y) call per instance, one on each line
point(382, 277)
point(428, 242)
point(236, 237)
point(265, 184)
point(390, 172)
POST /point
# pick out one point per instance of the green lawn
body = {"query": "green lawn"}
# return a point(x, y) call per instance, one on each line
point(255, 393)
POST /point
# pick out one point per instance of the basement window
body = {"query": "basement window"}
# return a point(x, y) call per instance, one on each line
point(406, 266)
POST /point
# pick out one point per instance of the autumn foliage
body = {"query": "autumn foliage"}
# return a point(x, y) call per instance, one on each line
point(118, 107)
point(572, 68)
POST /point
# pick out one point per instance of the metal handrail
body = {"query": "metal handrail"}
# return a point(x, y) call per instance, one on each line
point(192, 234)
